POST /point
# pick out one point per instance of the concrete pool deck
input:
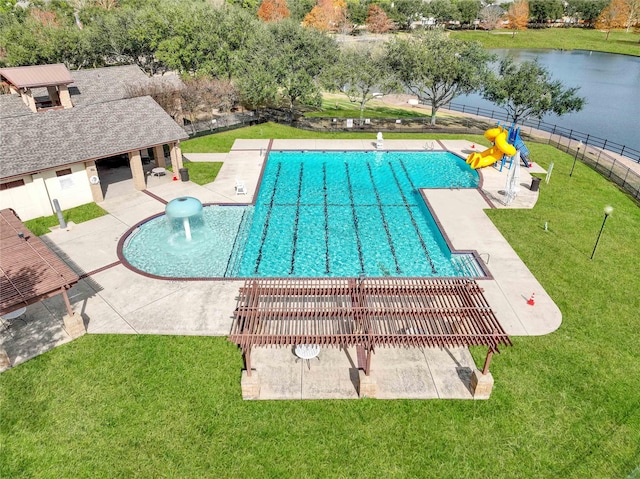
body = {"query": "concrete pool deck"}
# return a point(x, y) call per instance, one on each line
point(114, 300)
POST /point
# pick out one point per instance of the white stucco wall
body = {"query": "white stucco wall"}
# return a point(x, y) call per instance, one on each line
point(34, 199)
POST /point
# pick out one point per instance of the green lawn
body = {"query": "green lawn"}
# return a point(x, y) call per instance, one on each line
point(40, 226)
point(559, 38)
point(565, 405)
point(339, 106)
point(222, 142)
point(201, 172)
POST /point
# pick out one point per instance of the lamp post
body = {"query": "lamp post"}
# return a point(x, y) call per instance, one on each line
point(607, 212)
point(575, 158)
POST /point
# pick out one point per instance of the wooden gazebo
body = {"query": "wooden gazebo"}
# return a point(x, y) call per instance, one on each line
point(366, 313)
point(29, 270)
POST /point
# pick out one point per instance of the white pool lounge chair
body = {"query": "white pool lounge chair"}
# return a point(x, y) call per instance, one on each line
point(241, 189)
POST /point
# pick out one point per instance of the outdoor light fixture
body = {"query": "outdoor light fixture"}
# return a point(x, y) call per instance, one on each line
point(575, 158)
point(607, 212)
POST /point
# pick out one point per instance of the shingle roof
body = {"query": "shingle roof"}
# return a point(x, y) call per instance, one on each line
point(12, 105)
point(39, 141)
point(104, 84)
point(37, 75)
point(90, 86)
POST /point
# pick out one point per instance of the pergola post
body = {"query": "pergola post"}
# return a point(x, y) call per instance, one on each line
point(368, 387)
point(487, 361)
point(247, 359)
point(367, 368)
point(482, 381)
point(73, 323)
point(67, 303)
point(249, 383)
point(5, 362)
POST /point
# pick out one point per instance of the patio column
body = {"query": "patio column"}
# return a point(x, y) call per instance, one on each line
point(176, 157)
point(135, 162)
point(158, 154)
point(96, 189)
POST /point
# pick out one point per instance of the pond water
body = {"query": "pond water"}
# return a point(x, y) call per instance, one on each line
point(610, 83)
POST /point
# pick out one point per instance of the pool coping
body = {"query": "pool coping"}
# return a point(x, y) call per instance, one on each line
point(479, 262)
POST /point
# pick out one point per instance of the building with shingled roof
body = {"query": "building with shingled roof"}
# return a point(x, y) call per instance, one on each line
point(58, 125)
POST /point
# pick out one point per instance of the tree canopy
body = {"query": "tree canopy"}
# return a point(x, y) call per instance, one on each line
point(614, 15)
point(437, 68)
point(527, 90)
point(282, 65)
point(361, 74)
point(518, 15)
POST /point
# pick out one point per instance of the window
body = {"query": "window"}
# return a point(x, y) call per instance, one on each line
point(11, 184)
point(63, 172)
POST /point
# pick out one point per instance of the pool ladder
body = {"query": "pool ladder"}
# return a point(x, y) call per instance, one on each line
point(467, 266)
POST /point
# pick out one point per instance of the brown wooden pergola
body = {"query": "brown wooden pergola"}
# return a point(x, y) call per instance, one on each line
point(29, 270)
point(366, 313)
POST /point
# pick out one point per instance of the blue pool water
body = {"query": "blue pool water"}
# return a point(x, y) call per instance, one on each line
point(319, 214)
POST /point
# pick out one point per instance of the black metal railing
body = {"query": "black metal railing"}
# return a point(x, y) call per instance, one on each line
point(552, 129)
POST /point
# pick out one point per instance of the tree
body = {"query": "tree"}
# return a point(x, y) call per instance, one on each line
point(543, 11)
point(468, 10)
point(357, 12)
point(207, 41)
point(248, 5)
point(634, 14)
point(300, 8)
point(129, 35)
point(327, 15)
point(443, 10)
point(586, 10)
point(377, 20)
point(405, 12)
point(273, 10)
point(359, 73)
point(165, 93)
point(282, 64)
point(490, 16)
point(527, 90)
point(613, 16)
point(437, 68)
point(518, 15)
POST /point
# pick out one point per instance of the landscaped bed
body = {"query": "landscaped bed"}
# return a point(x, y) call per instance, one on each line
point(564, 404)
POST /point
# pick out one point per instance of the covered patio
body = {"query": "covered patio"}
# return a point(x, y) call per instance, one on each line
point(364, 315)
point(29, 273)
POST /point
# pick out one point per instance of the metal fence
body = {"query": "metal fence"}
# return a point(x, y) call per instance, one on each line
point(602, 162)
point(585, 138)
point(591, 150)
point(221, 123)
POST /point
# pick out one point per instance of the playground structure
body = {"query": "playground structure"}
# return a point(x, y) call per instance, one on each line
point(506, 142)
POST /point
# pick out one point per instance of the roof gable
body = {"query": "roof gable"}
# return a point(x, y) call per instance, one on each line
point(37, 75)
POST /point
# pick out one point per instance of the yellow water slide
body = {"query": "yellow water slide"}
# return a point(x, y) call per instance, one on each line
point(500, 148)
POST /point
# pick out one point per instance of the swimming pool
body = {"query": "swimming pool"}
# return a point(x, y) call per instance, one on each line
point(322, 214)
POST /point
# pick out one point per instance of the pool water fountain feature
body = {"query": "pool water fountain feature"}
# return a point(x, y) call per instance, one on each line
point(182, 214)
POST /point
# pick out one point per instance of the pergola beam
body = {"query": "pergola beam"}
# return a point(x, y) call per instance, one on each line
point(367, 312)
